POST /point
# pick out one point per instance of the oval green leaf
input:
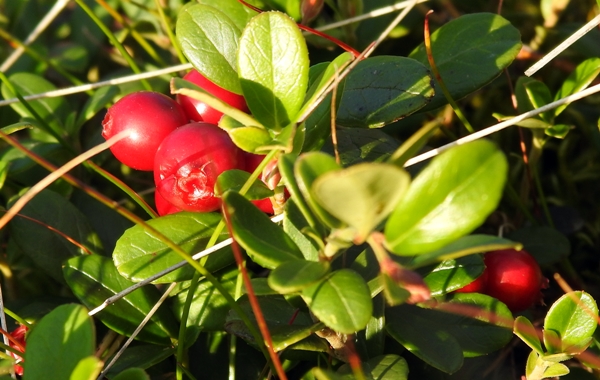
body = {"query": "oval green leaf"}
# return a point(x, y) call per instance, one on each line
point(450, 198)
point(450, 275)
point(362, 195)
point(573, 318)
point(94, 278)
point(209, 39)
point(375, 94)
point(525, 330)
point(293, 276)
point(235, 179)
point(273, 67)
point(266, 243)
point(59, 341)
point(469, 52)
point(139, 255)
point(52, 220)
point(384, 367)
point(342, 301)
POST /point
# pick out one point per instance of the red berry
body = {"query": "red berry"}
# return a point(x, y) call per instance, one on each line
point(515, 278)
point(200, 111)
point(150, 116)
point(163, 207)
point(188, 162)
point(19, 335)
point(479, 285)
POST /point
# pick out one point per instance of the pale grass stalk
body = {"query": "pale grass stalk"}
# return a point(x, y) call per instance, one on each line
point(34, 190)
point(564, 45)
point(500, 126)
point(40, 27)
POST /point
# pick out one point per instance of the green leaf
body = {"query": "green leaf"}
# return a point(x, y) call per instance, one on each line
point(441, 339)
point(558, 131)
point(342, 301)
point(273, 67)
point(370, 342)
point(52, 110)
point(579, 79)
point(132, 374)
point(556, 369)
point(356, 145)
point(235, 179)
point(394, 294)
point(209, 39)
point(450, 198)
point(451, 275)
point(251, 139)
point(236, 11)
point(88, 368)
point(139, 255)
point(375, 95)
point(464, 246)
point(573, 318)
point(385, 367)
point(546, 244)
point(52, 220)
point(307, 168)
point(293, 276)
point(525, 330)
point(266, 243)
point(58, 342)
point(209, 308)
point(539, 95)
point(361, 196)
point(94, 278)
point(469, 52)
point(294, 224)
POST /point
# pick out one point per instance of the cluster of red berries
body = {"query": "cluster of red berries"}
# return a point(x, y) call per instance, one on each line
point(180, 141)
point(511, 276)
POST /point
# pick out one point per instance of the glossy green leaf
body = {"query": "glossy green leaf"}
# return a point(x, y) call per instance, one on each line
point(362, 145)
point(209, 308)
point(139, 255)
point(324, 374)
point(525, 330)
point(361, 196)
point(88, 368)
point(293, 276)
point(52, 110)
point(235, 179)
point(384, 367)
point(375, 95)
point(556, 369)
point(370, 342)
point(394, 293)
point(342, 301)
point(58, 342)
point(94, 278)
point(558, 131)
point(273, 67)
point(236, 11)
point(538, 95)
point(466, 245)
point(450, 198)
point(265, 242)
point(307, 168)
point(132, 374)
point(296, 226)
point(441, 339)
point(24, 170)
point(583, 75)
point(52, 221)
point(450, 275)
point(209, 39)
point(251, 139)
point(469, 52)
point(573, 318)
point(546, 244)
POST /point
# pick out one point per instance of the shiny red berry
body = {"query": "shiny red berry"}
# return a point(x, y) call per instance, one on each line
point(515, 278)
point(188, 162)
point(19, 335)
point(150, 116)
point(163, 207)
point(200, 111)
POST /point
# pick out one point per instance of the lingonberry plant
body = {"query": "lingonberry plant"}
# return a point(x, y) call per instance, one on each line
point(373, 264)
